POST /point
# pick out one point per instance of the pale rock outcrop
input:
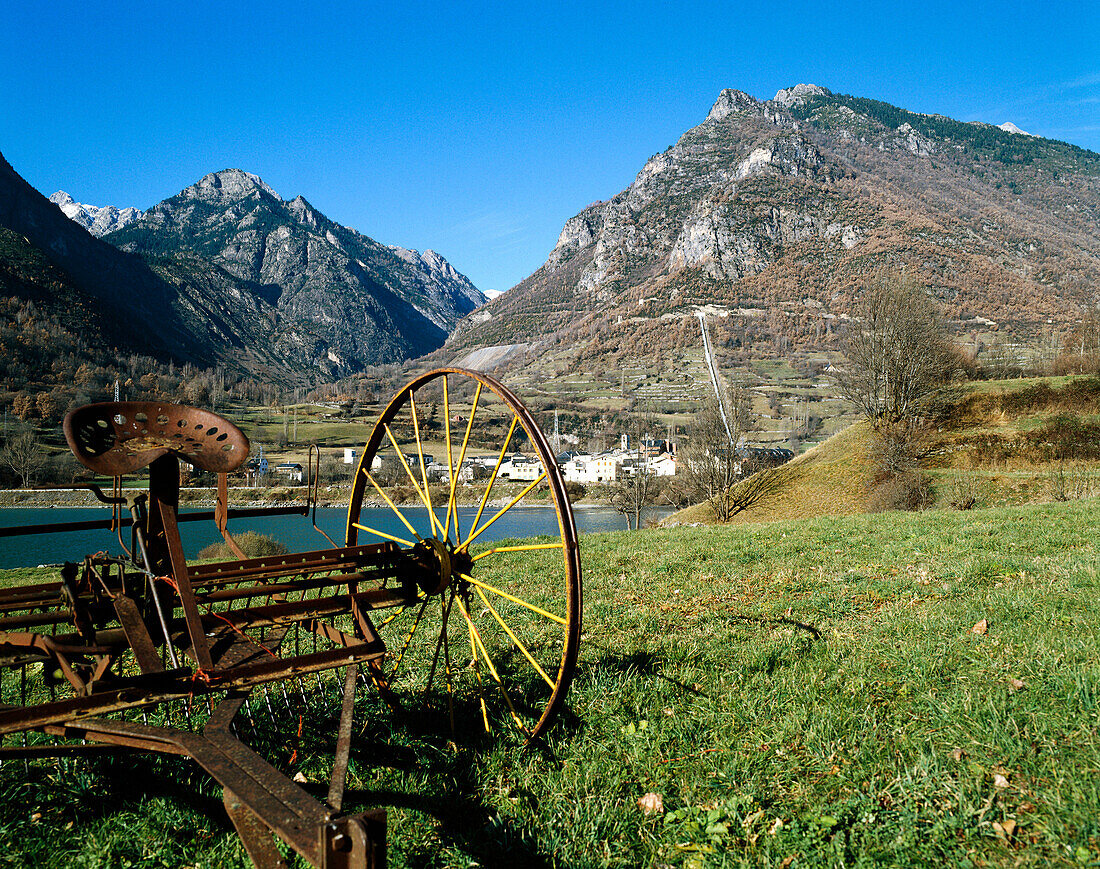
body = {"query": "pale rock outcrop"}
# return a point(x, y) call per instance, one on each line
point(789, 97)
point(98, 220)
point(914, 142)
point(732, 102)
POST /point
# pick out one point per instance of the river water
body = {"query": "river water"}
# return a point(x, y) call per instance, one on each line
point(296, 533)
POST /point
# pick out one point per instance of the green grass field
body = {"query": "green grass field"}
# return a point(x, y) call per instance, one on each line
point(802, 693)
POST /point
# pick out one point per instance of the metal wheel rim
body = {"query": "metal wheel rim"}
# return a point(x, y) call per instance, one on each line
point(570, 565)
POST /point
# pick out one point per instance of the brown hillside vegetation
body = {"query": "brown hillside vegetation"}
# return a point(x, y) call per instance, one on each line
point(991, 443)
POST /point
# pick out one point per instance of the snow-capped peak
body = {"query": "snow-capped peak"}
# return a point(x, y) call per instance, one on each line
point(1010, 127)
point(98, 220)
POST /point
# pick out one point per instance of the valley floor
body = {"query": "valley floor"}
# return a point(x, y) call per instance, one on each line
point(884, 689)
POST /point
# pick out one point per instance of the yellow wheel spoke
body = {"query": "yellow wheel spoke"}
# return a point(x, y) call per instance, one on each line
point(423, 469)
point(515, 639)
point(393, 506)
point(378, 533)
point(447, 665)
point(450, 459)
point(475, 637)
point(513, 599)
point(444, 610)
point(474, 535)
point(493, 476)
point(412, 479)
point(389, 619)
point(477, 670)
point(525, 548)
point(461, 459)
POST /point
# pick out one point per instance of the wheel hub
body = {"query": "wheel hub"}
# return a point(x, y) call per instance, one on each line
point(439, 565)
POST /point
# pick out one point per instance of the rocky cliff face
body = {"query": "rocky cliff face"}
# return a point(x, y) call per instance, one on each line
point(96, 219)
point(337, 299)
point(781, 208)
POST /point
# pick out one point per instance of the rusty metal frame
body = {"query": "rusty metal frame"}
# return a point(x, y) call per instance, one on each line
point(206, 619)
point(130, 634)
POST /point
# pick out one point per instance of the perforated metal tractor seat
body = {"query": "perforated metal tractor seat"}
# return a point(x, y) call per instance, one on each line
point(115, 438)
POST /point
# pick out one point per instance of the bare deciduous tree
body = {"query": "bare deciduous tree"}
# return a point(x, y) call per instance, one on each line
point(896, 352)
point(710, 469)
point(25, 456)
point(633, 493)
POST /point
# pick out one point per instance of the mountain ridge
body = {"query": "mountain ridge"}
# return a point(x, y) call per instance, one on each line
point(194, 279)
point(321, 277)
point(98, 220)
point(779, 210)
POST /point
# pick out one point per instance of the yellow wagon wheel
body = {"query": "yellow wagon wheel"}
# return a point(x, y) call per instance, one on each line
point(496, 627)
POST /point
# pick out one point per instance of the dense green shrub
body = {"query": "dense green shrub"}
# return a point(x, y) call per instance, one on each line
point(254, 545)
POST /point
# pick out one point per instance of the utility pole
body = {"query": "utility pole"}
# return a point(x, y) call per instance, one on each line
point(713, 367)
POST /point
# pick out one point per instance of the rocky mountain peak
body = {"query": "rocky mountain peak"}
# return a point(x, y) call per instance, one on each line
point(338, 298)
point(733, 102)
point(303, 212)
point(767, 204)
point(788, 97)
point(229, 185)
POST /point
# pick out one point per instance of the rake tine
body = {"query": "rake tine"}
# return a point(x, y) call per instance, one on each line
point(251, 720)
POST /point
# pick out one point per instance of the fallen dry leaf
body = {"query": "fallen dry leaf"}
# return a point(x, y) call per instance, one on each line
point(1015, 685)
point(298, 777)
point(958, 754)
point(999, 781)
point(651, 804)
point(775, 827)
point(981, 627)
point(1004, 829)
point(787, 861)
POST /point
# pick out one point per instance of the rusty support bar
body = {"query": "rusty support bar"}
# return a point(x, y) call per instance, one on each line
point(343, 741)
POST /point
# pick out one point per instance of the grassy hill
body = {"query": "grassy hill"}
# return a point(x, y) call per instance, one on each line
point(988, 443)
point(827, 480)
point(889, 689)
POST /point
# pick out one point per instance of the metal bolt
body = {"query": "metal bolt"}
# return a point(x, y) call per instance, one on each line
point(341, 842)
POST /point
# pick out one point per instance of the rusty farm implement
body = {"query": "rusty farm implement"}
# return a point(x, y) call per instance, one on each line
point(141, 650)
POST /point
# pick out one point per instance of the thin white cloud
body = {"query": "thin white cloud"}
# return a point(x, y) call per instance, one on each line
point(1084, 81)
point(492, 226)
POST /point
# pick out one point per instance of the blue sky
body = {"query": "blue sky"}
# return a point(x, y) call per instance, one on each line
point(479, 129)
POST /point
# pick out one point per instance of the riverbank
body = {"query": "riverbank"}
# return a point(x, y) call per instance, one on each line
point(282, 496)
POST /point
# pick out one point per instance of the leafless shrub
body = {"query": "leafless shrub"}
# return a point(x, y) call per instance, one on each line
point(709, 468)
point(962, 493)
point(1070, 484)
point(897, 481)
